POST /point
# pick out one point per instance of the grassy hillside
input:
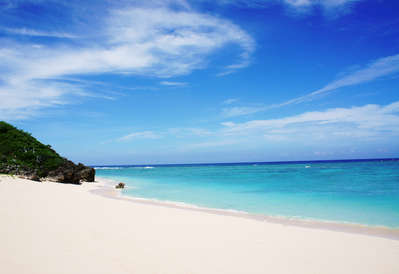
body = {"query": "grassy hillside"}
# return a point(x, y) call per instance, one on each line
point(20, 153)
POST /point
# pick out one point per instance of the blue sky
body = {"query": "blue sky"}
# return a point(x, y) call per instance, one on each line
point(176, 81)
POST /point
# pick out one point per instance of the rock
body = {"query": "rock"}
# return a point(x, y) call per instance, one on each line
point(34, 177)
point(120, 185)
point(87, 174)
point(71, 173)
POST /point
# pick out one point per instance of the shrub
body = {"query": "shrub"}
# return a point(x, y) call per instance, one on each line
point(20, 152)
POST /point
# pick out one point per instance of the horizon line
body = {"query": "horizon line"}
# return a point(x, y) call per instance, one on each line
point(262, 162)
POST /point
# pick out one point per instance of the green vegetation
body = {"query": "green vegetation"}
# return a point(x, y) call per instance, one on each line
point(20, 153)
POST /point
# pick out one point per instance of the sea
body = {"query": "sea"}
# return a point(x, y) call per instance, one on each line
point(346, 191)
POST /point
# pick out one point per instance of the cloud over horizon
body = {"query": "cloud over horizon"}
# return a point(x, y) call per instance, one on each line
point(333, 126)
point(367, 122)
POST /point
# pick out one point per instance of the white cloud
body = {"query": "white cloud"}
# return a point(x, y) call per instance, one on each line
point(177, 40)
point(369, 121)
point(140, 135)
point(337, 127)
point(32, 32)
point(24, 100)
point(169, 133)
point(199, 131)
point(155, 40)
point(240, 111)
point(190, 131)
point(210, 144)
point(297, 4)
point(230, 101)
point(173, 84)
point(324, 3)
point(375, 70)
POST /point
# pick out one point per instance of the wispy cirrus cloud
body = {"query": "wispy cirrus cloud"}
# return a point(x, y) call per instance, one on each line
point(323, 3)
point(233, 111)
point(301, 5)
point(209, 144)
point(369, 121)
point(240, 111)
point(176, 42)
point(188, 131)
point(140, 135)
point(230, 101)
point(39, 33)
point(156, 39)
point(180, 132)
point(173, 84)
point(369, 124)
point(375, 70)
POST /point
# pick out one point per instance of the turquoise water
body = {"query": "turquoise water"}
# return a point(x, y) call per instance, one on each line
point(365, 192)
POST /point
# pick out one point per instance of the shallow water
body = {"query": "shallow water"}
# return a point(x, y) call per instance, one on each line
point(365, 192)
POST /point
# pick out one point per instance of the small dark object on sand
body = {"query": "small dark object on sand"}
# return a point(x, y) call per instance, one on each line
point(120, 185)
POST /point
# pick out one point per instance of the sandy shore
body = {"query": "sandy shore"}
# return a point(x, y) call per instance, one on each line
point(57, 228)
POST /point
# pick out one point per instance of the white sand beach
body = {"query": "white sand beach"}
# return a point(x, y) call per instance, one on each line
point(60, 228)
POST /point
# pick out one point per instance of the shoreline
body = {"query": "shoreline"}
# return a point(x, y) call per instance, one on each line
point(106, 188)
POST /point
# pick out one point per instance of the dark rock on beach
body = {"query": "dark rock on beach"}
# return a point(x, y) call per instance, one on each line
point(120, 185)
point(68, 172)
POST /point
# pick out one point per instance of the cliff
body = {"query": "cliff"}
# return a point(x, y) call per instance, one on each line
point(21, 154)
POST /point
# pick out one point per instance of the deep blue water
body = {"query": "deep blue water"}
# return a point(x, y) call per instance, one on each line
point(365, 192)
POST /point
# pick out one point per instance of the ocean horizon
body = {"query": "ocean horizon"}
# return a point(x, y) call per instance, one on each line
point(357, 191)
point(247, 163)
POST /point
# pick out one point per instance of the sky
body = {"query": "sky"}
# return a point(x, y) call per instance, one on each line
point(178, 81)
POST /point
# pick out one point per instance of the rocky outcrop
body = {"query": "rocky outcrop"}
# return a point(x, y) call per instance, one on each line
point(71, 173)
point(67, 172)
